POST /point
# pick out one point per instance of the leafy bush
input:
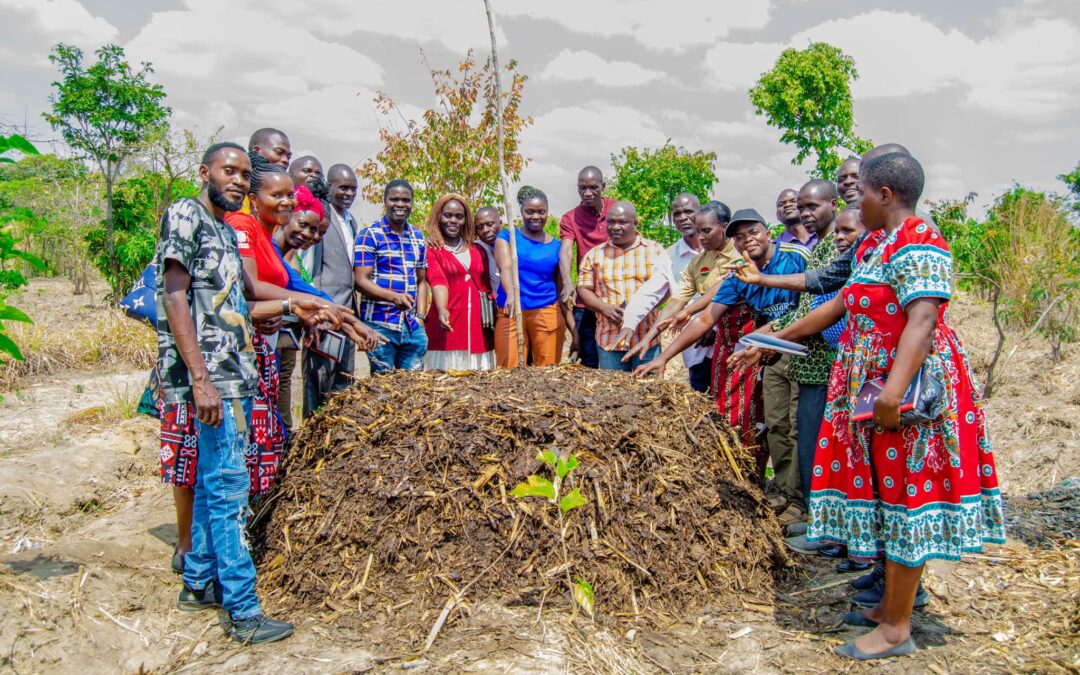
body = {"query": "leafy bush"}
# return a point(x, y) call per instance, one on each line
point(1032, 251)
point(137, 206)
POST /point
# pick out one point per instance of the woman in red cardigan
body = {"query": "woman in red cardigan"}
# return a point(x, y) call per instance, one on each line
point(458, 273)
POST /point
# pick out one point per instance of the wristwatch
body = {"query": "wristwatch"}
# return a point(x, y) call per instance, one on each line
point(286, 307)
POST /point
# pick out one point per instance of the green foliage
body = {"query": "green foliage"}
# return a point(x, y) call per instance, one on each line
point(10, 277)
point(807, 94)
point(651, 179)
point(104, 112)
point(17, 143)
point(50, 203)
point(1033, 254)
point(1072, 181)
point(966, 237)
point(137, 207)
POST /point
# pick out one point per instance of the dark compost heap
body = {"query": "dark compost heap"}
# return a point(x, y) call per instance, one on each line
point(397, 494)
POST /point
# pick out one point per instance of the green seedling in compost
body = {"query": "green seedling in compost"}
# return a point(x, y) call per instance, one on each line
point(553, 492)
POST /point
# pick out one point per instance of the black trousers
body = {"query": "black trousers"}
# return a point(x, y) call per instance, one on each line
point(322, 376)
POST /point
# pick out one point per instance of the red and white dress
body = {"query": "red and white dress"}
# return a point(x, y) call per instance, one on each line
point(466, 277)
point(923, 491)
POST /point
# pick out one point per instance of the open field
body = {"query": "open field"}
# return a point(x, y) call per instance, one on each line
point(86, 536)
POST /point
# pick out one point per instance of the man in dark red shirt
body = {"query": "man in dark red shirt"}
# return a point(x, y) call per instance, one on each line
point(584, 227)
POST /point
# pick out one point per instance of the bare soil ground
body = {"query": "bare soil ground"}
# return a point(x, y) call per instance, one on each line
point(86, 533)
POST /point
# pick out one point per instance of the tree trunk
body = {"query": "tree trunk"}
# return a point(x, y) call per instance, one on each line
point(507, 203)
point(109, 212)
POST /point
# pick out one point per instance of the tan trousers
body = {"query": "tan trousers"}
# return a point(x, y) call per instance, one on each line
point(545, 333)
point(781, 398)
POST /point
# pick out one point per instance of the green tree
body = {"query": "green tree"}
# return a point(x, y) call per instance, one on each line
point(50, 203)
point(452, 148)
point(137, 206)
point(105, 112)
point(1072, 181)
point(651, 179)
point(807, 94)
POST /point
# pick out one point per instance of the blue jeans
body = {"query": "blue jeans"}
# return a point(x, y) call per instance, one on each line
point(585, 319)
point(219, 543)
point(613, 360)
point(404, 350)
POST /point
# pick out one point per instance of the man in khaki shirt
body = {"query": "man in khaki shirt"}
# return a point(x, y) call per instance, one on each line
point(700, 277)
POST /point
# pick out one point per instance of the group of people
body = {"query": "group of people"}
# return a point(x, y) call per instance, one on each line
point(268, 264)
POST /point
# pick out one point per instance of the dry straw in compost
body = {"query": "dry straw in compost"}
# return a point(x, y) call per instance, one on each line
point(397, 495)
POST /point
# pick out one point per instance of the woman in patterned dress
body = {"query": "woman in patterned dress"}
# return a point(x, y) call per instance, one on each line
point(908, 492)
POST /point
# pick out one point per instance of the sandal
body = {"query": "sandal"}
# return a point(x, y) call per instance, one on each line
point(776, 502)
point(852, 652)
point(792, 514)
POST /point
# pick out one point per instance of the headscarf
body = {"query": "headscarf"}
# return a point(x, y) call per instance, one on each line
point(305, 201)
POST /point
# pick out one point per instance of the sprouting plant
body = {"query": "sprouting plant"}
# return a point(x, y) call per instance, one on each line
point(553, 491)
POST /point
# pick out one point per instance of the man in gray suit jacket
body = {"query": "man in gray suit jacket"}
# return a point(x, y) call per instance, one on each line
point(331, 265)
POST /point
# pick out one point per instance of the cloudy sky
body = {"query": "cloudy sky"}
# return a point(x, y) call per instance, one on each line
point(983, 92)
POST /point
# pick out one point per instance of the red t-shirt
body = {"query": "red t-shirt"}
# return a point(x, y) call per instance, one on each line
point(254, 242)
point(585, 228)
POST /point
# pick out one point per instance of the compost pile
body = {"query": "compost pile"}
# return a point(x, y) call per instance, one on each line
point(397, 495)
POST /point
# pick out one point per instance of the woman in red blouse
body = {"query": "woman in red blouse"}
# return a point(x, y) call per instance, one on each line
point(459, 276)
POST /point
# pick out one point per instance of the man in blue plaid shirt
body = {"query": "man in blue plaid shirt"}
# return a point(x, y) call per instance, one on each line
point(390, 267)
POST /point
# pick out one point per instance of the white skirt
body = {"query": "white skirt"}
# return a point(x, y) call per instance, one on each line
point(459, 359)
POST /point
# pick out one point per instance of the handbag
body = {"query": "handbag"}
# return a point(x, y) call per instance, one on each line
point(489, 310)
point(141, 302)
point(924, 400)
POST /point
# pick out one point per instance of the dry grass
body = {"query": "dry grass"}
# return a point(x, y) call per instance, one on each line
point(122, 404)
point(68, 335)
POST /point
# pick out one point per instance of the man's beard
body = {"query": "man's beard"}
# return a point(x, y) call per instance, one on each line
point(218, 198)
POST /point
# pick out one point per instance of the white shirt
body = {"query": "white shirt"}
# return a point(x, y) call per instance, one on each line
point(656, 288)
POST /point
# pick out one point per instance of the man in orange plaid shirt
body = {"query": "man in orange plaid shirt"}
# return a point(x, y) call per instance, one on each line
point(609, 276)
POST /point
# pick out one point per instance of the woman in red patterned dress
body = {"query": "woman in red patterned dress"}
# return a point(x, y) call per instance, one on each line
point(914, 491)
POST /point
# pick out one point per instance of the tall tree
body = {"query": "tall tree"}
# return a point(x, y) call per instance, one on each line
point(105, 111)
point(503, 186)
point(453, 147)
point(651, 179)
point(808, 95)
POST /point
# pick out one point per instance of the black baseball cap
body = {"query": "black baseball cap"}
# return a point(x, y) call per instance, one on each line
point(743, 216)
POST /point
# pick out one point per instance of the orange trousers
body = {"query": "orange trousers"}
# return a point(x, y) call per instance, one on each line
point(545, 333)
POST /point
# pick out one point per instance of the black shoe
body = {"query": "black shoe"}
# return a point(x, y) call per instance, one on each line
point(191, 600)
point(177, 561)
point(847, 565)
point(259, 630)
point(868, 580)
point(871, 597)
point(834, 551)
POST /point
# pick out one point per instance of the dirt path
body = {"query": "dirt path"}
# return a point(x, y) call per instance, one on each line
point(86, 535)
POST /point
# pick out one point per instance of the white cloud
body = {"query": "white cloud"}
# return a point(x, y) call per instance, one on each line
point(585, 66)
point(1026, 70)
point(247, 48)
point(33, 26)
point(65, 20)
point(735, 65)
point(563, 140)
point(458, 26)
point(660, 26)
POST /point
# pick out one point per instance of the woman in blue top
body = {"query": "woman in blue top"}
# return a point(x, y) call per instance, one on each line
point(544, 318)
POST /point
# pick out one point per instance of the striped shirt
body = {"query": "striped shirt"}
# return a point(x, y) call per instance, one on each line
point(394, 260)
point(615, 274)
